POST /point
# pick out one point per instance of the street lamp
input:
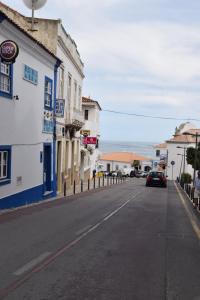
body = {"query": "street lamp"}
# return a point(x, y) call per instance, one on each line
point(184, 148)
point(196, 135)
point(180, 166)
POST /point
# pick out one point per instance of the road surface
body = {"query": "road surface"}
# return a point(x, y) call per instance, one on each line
point(126, 242)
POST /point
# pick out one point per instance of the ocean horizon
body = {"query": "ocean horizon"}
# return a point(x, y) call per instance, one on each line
point(143, 148)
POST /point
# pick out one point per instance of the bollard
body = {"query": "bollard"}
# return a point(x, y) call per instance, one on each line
point(74, 187)
point(103, 179)
point(88, 184)
point(107, 180)
point(113, 179)
point(81, 185)
point(94, 182)
point(65, 189)
point(99, 182)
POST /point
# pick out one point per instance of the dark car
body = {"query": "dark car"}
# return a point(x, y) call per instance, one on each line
point(156, 179)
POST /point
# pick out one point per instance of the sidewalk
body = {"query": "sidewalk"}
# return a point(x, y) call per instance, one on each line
point(86, 186)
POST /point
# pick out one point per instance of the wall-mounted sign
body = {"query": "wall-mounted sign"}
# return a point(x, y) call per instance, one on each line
point(8, 52)
point(60, 108)
point(172, 162)
point(85, 132)
point(89, 140)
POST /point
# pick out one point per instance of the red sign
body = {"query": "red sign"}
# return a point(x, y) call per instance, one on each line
point(89, 140)
point(8, 52)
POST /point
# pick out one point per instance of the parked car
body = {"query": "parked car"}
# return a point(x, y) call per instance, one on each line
point(156, 179)
point(138, 174)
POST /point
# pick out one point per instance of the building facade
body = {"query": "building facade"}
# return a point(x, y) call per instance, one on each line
point(90, 154)
point(27, 102)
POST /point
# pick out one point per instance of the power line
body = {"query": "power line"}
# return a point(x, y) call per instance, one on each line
point(148, 116)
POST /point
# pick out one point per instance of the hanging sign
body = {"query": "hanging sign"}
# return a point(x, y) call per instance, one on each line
point(60, 108)
point(89, 140)
point(85, 132)
point(9, 51)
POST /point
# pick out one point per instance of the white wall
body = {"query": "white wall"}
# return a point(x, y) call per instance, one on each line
point(172, 156)
point(22, 120)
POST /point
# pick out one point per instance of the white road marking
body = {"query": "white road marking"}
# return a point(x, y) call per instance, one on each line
point(83, 229)
point(190, 215)
point(31, 264)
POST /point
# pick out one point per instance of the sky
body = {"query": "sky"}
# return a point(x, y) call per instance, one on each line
point(140, 57)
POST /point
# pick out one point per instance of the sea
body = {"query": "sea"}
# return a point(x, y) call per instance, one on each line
point(143, 148)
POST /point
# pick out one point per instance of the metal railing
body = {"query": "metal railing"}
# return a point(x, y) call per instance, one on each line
point(189, 190)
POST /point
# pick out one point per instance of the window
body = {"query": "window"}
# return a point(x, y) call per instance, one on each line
point(157, 152)
point(6, 79)
point(69, 87)
point(86, 114)
point(61, 83)
point(75, 94)
point(48, 94)
point(5, 164)
point(79, 98)
point(30, 74)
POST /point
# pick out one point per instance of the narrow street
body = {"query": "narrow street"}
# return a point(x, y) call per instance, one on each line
point(126, 242)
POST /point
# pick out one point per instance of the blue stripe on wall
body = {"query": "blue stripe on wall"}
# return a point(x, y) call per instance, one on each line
point(23, 198)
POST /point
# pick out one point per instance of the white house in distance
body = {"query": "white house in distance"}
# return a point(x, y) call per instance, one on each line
point(161, 154)
point(120, 160)
point(90, 153)
point(27, 103)
point(53, 35)
point(175, 147)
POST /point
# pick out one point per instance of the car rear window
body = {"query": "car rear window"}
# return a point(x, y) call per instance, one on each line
point(156, 174)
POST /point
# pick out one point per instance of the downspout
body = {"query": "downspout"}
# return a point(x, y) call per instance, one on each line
point(58, 62)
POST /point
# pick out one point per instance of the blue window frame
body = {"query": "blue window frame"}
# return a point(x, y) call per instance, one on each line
point(30, 74)
point(6, 80)
point(48, 93)
point(5, 164)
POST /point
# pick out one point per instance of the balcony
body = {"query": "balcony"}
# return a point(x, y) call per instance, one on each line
point(73, 117)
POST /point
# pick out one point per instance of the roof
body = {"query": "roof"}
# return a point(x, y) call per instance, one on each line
point(5, 13)
point(162, 145)
point(87, 100)
point(184, 138)
point(126, 157)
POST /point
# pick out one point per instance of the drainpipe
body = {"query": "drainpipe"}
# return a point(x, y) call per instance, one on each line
point(58, 62)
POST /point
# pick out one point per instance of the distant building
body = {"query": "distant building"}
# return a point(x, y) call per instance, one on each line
point(120, 160)
point(90, 153)
point(161, 154)
point(27, 135)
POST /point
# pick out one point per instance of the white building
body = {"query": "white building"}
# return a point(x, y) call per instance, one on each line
point(27, 99)
point(52, 34)
point(177, 148)
point(161, 155)
point(121, 160)
point(90, 154)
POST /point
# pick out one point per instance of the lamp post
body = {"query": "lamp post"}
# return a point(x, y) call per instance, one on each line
point(196, 135)
point(184, 149)
point(180, 166)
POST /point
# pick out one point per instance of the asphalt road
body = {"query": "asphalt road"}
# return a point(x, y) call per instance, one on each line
point(124, 242)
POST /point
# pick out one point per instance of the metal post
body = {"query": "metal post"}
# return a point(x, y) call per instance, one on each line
point(107, 180)
point(103, 179)
point(94, 182)
point(195, 158)
point(74, 187)
point(88, 184)
point(184, 160)
point(65, 189)
point(180, 169)
point(81, 185)
point(99, 182)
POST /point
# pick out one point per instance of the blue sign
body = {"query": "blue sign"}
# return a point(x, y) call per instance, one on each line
point(60, 108)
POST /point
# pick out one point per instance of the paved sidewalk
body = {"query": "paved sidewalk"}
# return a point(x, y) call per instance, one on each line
point(99, 184)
